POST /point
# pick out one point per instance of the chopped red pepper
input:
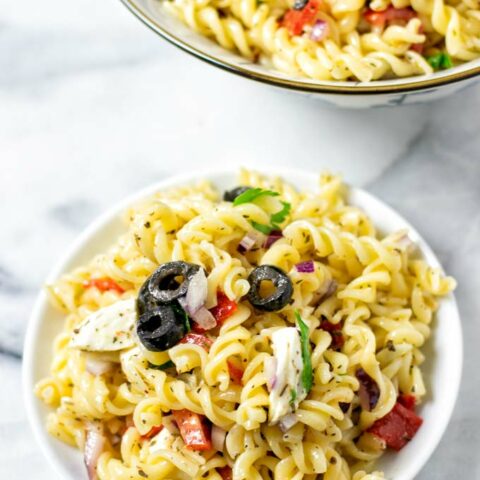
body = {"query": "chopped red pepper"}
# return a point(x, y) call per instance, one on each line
point(194, 429)
point(418, 47)
point(104, 284)
point(295, 20)
point(152, 432)
point(335, 330)
point(408, 401)
point(197, 339)
point(398, 427)
point(379, 19)
point(224, 308)
point(236, 372)
point(225, 472)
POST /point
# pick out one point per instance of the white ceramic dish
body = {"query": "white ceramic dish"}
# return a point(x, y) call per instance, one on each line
point(400, 91)
point(444, 350)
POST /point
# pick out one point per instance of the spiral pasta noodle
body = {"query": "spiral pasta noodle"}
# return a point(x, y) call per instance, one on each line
point(358, 40)
point(367, 303)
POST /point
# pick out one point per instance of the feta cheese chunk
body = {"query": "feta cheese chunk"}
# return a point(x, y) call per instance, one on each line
point(109, 329)
point(287, 391)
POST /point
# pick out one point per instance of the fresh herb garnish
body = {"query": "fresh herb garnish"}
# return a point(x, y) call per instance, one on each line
point(280, 216)
point(307, 373)
point(266, 229)
point(163, 366)
point(252, 194)
point(440, 61)
point(293, 396)
point(180, 312)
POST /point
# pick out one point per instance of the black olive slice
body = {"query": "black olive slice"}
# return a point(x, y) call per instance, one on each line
point(231, 195)
point(162, 286)
point(299, 4)
point(280, 280)
point(160, 329)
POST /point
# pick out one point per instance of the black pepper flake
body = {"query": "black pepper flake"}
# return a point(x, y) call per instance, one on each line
point(333, 460)
point(142, 473)
point(147, 225)
point(391, 346)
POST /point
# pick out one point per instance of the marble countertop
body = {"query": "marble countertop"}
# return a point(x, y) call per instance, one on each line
point(94, 106)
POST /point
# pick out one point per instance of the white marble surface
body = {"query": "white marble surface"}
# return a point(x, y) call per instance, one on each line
point(94, 106)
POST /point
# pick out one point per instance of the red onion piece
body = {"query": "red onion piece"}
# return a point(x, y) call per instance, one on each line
point(272, 238)
point(320, 31)
point(218, 438)
point(287, 422)
point(197, 293)
point(94, 445)
point(204, 318)
point(270, 366)
point(369, 392)
point(96, 366)
point(250, 240)
point(305, 267)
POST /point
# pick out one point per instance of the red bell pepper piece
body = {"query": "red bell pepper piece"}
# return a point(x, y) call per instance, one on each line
point(379, 19)
point(335, 330)
point(408, 401)
point(236, 373)
point(152, 432)
point(225, 472)
point(398, 427)
point(197, 339)
point(104, 284)
point(194, 429)
point(224, 308)
point(295, 20)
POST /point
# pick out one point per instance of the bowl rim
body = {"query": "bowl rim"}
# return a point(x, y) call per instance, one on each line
point(32, 403)
point(410, 84)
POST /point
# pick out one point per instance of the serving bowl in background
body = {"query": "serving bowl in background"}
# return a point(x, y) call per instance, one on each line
point(442, 369)
point(400, 91)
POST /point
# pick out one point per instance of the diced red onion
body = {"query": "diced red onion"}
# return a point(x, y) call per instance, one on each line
point(287, 422)
point(97, 366)
point(305, 267)
point(320, 31)
point(272, 238)
point(250, 240)
point(218, 438)
point(196, 294)
point(369, 392)
point(405, 242)
point(169, 423)
point(94, 445)
point(204, 318)
point(270, 366)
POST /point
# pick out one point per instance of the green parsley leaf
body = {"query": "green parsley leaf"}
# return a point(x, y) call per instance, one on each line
point(440, 61)
point(180, 312)
point(266, 229)
point(163, 366)
point(281, 215)
point(307, 373)
point(293, 396)
point(252, 194)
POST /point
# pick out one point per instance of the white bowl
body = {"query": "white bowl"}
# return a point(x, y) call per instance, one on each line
point(444, 350)
point(399, 91)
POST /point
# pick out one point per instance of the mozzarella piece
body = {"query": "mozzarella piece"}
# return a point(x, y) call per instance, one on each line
point(287, 350)
point(162, 441)
point(109, 329)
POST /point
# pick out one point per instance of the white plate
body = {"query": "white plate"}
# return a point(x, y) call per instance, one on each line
point(444, 350)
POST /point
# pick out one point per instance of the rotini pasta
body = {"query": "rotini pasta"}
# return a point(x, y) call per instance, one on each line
point(309, 371)
point(340, 39)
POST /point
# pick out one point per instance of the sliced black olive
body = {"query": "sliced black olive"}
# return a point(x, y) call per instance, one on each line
point(280, 280)
point(231, 195)
point(299, 4)
point(160, 329)
point(162, 286)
